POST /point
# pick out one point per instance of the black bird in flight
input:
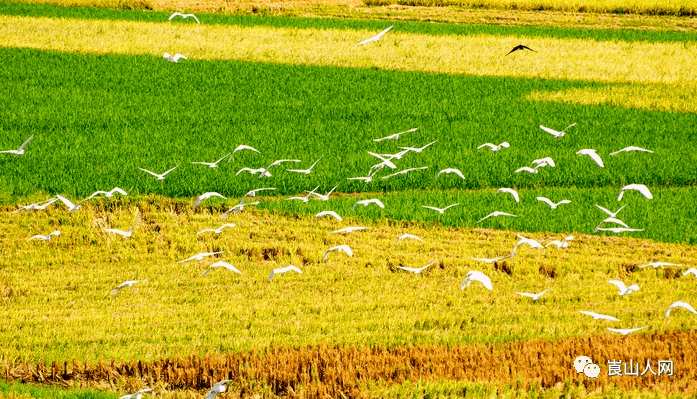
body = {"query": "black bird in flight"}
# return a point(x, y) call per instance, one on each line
point(520, 47)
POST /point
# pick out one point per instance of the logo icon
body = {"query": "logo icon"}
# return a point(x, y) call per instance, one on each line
point(584, 364)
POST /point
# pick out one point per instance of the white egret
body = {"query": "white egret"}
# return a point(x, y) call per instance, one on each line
point(631, 148)
point(305, 171)
point(20, 150)
point(218, 230)
point(325, 197)
point(494, 147)
point(207, 195)
point(70, 205)
point(375, 38)
point(213, 164)
point(496, 214)
point(367, 202)
point(440, 210)
point(691, 271)
point(416, 270)
point(124, 234)
point(185, 16)
point(552, 204)
point(237, 208)
point(329, 213)
point(625, 331)
point(276, 163)
point(217, 388)
point(638, 187)
point(527, 169)
point(349, 229)
point(598, 316)
point(624, 290)
point(417, 150)
point(611, 214)
point(126, 284)
point(533, 296)
point(338, 248)
point(161, 176)
point(385, 161)
point(561, 244)
point(542, 162)
point(47, 237)
point(511, 191)
point(36, 206)
point(594, 156)
point(240, 148)
point(396, 135)
point(680, 304)
point(451, 170)
point(490, 260)
point(656, 265)
point(263, 171)
point(477, 276)
point(108, 194)
point(174, 58)
point(222, 264)
point(555, 133)
point(200, 256)
point(305, 198)
point(410, 236)
point(284, 270)
point(617, 229)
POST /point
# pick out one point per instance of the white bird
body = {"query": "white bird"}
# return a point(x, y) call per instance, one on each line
point(494, 147)
point(533, 296)
point(691, 270)
point(349, 229)
point(222, 264)
point(611, 214)
point(398, 155)
point(174, 58)
point(477, 276)
point(598, 316)
point(70, 205)
point(552, 204)
point(439, 210)
point(325, 197)
point(159, 177)
point(217, 388)
point(509, 191)
point(20, 150)
point(529, 241)
point(36, 206)
point(593, 155)
point(200, 256)
point(527, 169)
point(124, 234)
point(416, 270)
point(240, 148)
point(366, 179)
point(638, 187)
point(617, 229)
point(656, 265)
point(451, 170)
point(376, 37)
point(305, 171)
point(385, 161)
point(625, 331)
point(137, 395)
point(253, 193)
point(679, 304)
point(561, 244)
point(284, 270)
point(631, 148)
point(126, 284)
point(237, 209)
point(396, 135)
point(542, 162)
point(624, 290)
point(218, 230)
point(342, 248)
point(610, 220)
point(491, 260)
point(108, 194)
point(185, 16)
point(207, 195)
point(263, 171)
point(213, 164)
point(406, 235)
point(305, 198)
point(417, 149)
point(555, 133)
point(46, 237)
point(496, 214)
point(367, 202)
point(329, 213)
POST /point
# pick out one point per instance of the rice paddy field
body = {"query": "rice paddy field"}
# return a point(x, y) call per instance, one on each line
point(87, 81)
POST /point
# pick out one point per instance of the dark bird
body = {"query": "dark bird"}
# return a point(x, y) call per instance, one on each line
point(520, 47)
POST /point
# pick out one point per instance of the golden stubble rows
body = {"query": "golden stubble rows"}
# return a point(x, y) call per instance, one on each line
point(483, 55)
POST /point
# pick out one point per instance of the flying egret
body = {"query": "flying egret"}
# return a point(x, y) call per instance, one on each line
point(691, 270)
point(185, 16)
point(477, 276)
point(217, 388)
point(529, 241)
point(398, 155)
point(625, 331)
point(253, 193)
point(617, 229)
point(385, 161)
point(631, 148)
point(542, 162)
point(440, 210)
point(552, 204)
point(496, 214)
point(222, 264)
point(137, 395)
point(611, 214)
point(521, 47)
point(20, 150)
point(276, 163)
point(376, 37)
point(341, 248)
point(555, 133)
point(494, 147)
point(124, 234)
point(46, 237)
point(367, 202)
point(70, 205)
point(205, 196)
point(533, 296)
point(416, 270)
point(594, 156)
point(490, 260)
point(638, 187)
point(174, 58)
point(305, 171)
point(396, 135)
point(240, 148)
point(509, 191)
point(305, 198)
point(680, 304)
point(254, 171)
point(218, 230)
point(561, 244)
point(159, 177)
point(200, 256)
point(237, 209)
point(126, 284)
point(656, 265)
point(349, 229)
point(325, 197)
point(108, 194)
point(328, 213)
point(598, 316)
point(451, 170)
point(417, 150)
point(410, 236)
point(213, 164)
point(36, 206)
point(624, 290)
point(610, 220)
point(284, 270)
point(528, 169)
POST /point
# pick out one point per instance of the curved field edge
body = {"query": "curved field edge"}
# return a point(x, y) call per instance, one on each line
point(347, 370)
point(577, 30)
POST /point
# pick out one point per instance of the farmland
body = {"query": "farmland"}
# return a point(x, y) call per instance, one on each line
point(91, 86)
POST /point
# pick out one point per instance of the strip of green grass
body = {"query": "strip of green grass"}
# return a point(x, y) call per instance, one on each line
point(19, 390)
point(47, 10)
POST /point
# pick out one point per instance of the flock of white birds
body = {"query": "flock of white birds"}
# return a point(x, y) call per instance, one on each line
point(385, 161)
